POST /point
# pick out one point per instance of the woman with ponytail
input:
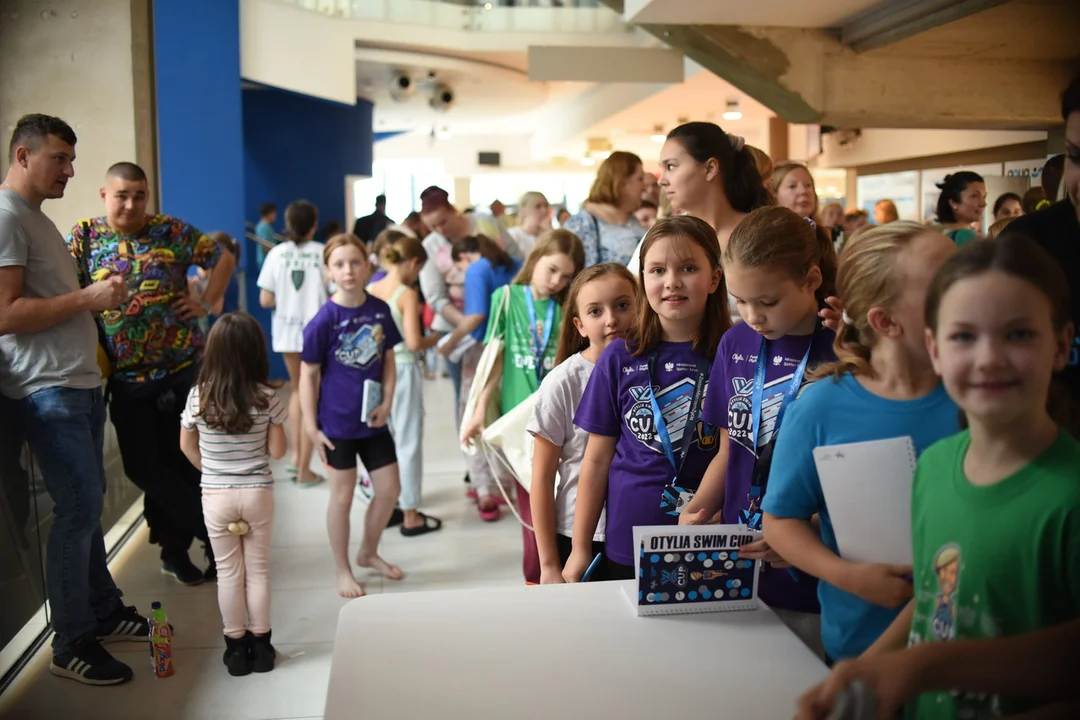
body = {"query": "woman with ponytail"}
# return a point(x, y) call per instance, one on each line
point(881, 386)
point(713, 176)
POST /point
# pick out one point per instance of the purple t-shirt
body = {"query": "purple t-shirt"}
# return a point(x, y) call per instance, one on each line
point(728, 406)
point(349, 344)
point(616, 404)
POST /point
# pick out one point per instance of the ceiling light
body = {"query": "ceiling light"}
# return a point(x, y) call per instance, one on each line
point(587, 161)
point(732, 111)
point(658, 135)
point(487, 6)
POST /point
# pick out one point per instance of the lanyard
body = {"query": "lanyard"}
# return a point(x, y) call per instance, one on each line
point(691, 417)
point(763, 458)
point(759, 388)
point(541, 345)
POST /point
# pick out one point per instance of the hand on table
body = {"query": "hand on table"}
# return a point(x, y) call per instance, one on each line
point(551, 575)
point(576, 565)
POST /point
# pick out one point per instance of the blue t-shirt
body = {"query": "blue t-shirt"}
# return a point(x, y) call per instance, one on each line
point(481, 279)
point(835, 412)
point(265, 231)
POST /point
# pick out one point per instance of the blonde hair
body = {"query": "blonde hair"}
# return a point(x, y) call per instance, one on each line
point(607, 187)
point(775, 237)
point(784, 169)
point(384, 240)
point(994, 230)
point(553, 242)
point(339, 241)
point(870, 276)
point(405, 247)
point(529, 199)
point(570, 340)
point(762, 162)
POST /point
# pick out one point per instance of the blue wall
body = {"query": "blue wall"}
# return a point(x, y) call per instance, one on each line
point(300, 147)
point(200, 131)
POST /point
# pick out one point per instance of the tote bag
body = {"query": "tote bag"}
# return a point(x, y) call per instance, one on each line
point(493, 351)
point(511, 444)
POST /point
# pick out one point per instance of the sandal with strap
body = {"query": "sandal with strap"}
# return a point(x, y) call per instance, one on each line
point(430, 524)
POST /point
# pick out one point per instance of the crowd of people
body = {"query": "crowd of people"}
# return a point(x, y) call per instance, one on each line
point(679, 374)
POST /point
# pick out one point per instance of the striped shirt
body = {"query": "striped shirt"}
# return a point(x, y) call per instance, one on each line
point(241, 460)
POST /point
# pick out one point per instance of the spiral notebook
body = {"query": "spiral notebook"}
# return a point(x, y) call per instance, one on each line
point(692, 570)
point(867, 489)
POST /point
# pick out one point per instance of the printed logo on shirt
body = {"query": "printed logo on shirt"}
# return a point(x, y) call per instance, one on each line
point(360, 348)
point(740, 409)
point(297, 277)
point(674, 402)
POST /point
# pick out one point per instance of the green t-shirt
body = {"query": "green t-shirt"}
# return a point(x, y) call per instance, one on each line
point(519, 356)
point(962, 237)
point(992, 561)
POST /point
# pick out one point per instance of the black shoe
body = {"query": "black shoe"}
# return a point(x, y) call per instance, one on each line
point(183, 570)
point(126, 624)
point(263, 653)
point(237, 656)
point(89, 663)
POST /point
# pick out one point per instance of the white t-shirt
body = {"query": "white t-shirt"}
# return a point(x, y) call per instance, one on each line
point(553, 420)
point(294, 273)
point(241, 460)
point(523, 243)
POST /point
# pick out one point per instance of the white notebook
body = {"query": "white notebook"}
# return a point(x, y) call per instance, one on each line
point(692, 570)
point(867, 488)
point(372, 398)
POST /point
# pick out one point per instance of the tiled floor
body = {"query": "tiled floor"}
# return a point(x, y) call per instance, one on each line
point(466, 553)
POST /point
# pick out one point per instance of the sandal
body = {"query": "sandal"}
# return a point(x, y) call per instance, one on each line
point(316, 480)
point(431, 524)
point(396, 518)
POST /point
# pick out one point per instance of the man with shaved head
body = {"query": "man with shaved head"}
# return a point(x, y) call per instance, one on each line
point(153, 342)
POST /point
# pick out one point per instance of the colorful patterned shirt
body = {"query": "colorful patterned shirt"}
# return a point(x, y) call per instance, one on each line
point(145, 339)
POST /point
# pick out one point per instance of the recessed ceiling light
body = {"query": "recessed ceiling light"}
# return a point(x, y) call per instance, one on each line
point(658, 135)
point(732, 111)
point(587, 161)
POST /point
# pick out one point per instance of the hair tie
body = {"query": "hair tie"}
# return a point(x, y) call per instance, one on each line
point(847, 319)
point(737, 143)
point(811, 221)
point(1042, 204)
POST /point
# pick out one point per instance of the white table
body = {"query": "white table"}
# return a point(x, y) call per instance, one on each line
point(559, 652)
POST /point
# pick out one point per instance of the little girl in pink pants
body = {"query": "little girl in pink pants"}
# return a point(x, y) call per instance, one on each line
point(230, 428)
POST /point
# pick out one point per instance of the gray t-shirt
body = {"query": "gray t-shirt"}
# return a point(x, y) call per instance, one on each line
point(553, 419)
point(64, 355)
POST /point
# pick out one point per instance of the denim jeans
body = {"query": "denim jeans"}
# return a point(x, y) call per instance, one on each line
point(65, 429)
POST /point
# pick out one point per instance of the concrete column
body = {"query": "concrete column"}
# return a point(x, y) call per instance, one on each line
point(74, 59)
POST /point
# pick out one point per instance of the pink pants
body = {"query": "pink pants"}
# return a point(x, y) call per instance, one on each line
point(243, 561)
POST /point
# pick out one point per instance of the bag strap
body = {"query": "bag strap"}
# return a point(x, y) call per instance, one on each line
point(503, 307)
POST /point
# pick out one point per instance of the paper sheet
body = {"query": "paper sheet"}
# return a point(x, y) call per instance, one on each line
point(867, 488)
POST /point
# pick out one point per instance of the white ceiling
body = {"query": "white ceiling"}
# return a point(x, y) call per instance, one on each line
point(767, 13)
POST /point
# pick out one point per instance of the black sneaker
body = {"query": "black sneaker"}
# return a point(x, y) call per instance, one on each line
point(89, 663)
point(126, 624)
point(183, 570)
point(237, 657)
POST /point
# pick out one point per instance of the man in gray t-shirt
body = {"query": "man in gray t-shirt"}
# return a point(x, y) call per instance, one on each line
point(51, 385)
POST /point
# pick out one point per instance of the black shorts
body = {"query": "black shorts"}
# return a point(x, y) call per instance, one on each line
point(375, 452)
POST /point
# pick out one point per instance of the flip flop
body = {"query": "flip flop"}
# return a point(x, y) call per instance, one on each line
point(319, 480)
point(431, 524)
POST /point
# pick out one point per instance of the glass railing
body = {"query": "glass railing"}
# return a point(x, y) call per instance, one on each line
point(532, 16)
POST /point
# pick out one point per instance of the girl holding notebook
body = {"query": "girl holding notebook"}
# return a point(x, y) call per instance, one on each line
point(348, 360)
point(882, 386)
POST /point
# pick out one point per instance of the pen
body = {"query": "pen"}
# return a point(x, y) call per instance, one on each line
point(592, 567)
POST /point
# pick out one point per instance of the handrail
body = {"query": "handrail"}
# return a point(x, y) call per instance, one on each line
point(266, 244)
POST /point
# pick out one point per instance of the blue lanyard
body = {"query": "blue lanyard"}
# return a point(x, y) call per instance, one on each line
point(759, 388)
point(691, 416)
point(541, 345)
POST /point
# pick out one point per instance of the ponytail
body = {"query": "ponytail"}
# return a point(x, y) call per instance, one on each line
point(743, 185)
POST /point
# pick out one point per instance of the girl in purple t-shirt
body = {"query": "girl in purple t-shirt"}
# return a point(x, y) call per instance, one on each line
point(780, 267)
point(648, 447)
point(348, 358)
